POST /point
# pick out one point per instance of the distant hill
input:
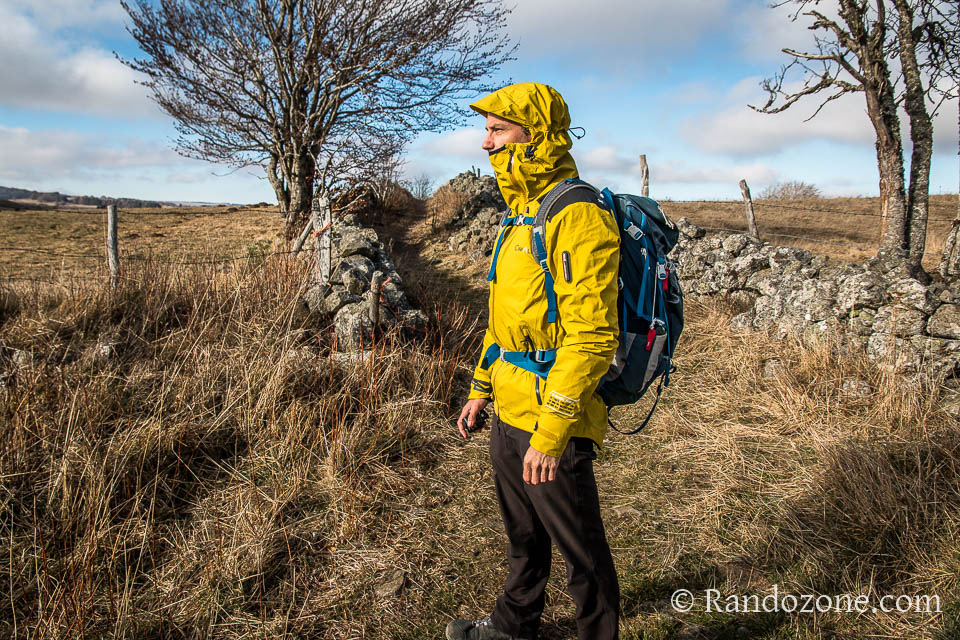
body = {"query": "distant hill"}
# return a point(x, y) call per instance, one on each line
point(55, 199)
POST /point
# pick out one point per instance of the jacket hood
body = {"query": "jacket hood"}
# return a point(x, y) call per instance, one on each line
point(526, 170)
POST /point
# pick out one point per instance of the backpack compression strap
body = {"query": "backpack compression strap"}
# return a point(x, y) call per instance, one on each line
point(568, 192)
point(664, 381)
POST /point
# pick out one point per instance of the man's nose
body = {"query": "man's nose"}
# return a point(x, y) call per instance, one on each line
point(487, 144)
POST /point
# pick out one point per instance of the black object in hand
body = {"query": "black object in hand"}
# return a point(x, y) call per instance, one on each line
point(478, 422)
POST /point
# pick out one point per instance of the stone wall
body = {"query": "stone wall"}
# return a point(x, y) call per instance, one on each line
point(358, 255)
point(478, 219)
point(876, 307)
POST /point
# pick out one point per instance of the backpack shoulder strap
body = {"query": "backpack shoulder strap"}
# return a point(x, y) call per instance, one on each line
point(561, 196)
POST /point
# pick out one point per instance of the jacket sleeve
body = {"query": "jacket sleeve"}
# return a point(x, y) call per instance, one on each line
point(587, 311)
point(480, 386)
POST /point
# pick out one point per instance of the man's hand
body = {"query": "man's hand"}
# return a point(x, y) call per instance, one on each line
point(539, 467)
point(469, 413)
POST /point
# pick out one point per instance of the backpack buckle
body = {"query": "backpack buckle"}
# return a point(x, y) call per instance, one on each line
point(540, 355)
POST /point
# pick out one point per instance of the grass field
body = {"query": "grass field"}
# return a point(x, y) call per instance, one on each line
point(184, 233)
point(828, 225)
point(194, 233)
point(186, 457)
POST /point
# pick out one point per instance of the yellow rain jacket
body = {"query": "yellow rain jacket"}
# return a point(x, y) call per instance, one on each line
point(585, 333)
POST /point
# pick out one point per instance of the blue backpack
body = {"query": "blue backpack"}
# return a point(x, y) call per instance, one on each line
point(650, 300)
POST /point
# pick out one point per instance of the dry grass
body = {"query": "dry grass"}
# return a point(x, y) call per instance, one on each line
point(223, 474)
point(186, 233)
point(745, 482)
point(222, 471)
point(443, 206)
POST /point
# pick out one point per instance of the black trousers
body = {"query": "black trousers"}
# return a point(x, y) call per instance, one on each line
point(566, 512)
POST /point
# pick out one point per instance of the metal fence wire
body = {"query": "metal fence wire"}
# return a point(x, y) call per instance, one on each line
point(214, 259)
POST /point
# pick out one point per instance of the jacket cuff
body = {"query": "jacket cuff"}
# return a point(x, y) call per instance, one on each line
point(551, 435)
point(480, 389)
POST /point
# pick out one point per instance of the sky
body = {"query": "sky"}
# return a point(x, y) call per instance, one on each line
point(671, 79)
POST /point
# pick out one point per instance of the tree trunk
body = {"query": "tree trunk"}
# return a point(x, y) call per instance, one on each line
point(279, 186)
point(950, 261)
point(921, 134)
point(867, 43)
point(893, 207)
point(292, 178)
point(301, 195)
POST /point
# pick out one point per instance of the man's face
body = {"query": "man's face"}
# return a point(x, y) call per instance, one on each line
point(500, 132)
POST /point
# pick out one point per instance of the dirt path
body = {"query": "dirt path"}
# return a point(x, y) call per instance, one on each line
point(429, 270)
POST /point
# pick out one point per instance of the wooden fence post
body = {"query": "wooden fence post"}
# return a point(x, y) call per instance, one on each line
point(644, 176)
point(748, 204)
point(113, 258)
point(298, 243)
point(376, 286)
point(322, 218)
point(950, 259)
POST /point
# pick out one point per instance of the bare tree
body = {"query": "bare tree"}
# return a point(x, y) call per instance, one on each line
point(859, 52)
point(421, 185)
point(312, 89)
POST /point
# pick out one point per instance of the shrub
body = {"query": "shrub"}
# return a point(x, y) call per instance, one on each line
point(791, 190)
point(421, 186)
point(443, 206)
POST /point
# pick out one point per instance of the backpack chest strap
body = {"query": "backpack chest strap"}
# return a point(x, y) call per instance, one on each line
point(512, 221)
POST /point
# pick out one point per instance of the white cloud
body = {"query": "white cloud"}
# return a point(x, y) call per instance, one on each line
point(945, 129)
point(678, 172)
point(82, 164)
point(733, 128)
point(33, 156)
point(606, 165)
point(615, 32)
point(461, 144)
point(615, 166)
point(692, 93)
point(606, 158)
point(189, 177)
point(39, 70)
point(56, 14)
point(765, 30)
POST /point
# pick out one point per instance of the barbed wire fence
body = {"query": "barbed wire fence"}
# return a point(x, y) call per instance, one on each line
point(750, 207)
point(320, 223)
point(111, 257)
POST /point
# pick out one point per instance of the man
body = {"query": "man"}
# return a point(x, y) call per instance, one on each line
point(545, 426)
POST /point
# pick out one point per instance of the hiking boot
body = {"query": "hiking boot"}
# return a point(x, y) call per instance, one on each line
point(481, 629)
